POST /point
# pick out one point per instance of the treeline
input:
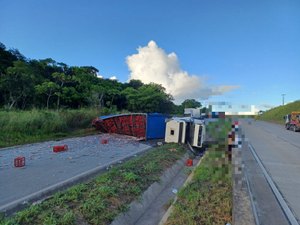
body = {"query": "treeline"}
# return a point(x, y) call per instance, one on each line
point(29, 83)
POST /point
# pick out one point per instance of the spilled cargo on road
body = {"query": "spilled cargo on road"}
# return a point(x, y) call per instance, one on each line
point(141, 125)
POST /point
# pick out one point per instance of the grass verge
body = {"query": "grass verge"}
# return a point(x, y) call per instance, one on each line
point(102, 199)
point(276, 114)
point(207, 199)
point(21, 127)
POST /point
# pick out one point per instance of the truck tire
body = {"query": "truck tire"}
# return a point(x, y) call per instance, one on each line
point(294, 128)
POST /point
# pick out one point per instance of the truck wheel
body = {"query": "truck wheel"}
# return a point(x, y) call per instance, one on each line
point(294, 128)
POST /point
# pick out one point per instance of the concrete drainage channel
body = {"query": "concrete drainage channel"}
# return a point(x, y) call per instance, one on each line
point(151, 207)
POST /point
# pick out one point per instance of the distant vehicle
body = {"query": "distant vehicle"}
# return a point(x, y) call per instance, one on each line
point(260, 112)
point(292, 121)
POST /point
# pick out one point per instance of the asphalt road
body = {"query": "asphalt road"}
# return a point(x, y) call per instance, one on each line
point(45, 169)
point(279, 151)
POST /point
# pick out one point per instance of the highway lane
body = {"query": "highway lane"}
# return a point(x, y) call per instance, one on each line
point(279, 151)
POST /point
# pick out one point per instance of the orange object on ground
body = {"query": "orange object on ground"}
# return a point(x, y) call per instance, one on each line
point(19, 161)
point(60, 148)
point(189, 162)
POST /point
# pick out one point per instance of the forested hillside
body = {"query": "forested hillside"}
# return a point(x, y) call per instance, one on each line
point(45, 83)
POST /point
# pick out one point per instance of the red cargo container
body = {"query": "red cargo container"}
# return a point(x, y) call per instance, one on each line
point(140, 125)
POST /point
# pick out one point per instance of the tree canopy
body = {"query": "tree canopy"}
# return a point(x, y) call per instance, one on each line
point(27, 83)
point(191, 103)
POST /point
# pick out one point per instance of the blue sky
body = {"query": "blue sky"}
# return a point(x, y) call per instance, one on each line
point(254, 45)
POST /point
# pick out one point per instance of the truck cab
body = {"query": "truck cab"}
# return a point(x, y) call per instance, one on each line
point(292, 121)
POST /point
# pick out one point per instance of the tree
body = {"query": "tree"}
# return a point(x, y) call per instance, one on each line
point(61, 79)
point(35, 83)
point(48, 88)
point(152, 98)
point(148, 98)
point(18, 84)
point(136, 84)
point(6, 59)
point(131, 96)
point(17, 54)
point(112, 93)
point(85, 82)
point(191, 103)
point(204, 110)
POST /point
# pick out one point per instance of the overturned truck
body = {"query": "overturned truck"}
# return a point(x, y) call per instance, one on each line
point(185, 130)
point(141, 125)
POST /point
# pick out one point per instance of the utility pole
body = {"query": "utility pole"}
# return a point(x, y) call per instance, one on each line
point(283, 98)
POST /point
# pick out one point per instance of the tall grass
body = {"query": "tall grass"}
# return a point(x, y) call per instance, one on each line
point(207, 199)
point(18, 127)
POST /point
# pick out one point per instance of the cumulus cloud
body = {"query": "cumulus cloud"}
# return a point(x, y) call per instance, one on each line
point(153, 64)
point(113, 78)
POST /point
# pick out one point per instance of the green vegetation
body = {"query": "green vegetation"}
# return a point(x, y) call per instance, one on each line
point(34, 85)
point(207, 199)
point(29, 83)
point(19, 127)
point(276, 114)
point(102, 199)
point(218, 131)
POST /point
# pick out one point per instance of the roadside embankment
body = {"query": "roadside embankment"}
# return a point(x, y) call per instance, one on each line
point(102, 199)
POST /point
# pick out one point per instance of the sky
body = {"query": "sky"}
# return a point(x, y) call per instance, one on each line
point(244, 52)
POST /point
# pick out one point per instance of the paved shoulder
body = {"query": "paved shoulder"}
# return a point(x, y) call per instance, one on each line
point(45, 169)
point(279, 151)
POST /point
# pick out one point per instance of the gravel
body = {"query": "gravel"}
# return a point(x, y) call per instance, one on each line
point(44, 168)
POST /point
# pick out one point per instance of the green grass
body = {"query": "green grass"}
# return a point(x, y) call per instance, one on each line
point(102, 199)
point(207, 199)
point(218, 131)
point(276, 114)
point(20, 127)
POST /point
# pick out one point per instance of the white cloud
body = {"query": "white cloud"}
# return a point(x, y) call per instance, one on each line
point(153, 64)
point(99, 75)
point(113, 78)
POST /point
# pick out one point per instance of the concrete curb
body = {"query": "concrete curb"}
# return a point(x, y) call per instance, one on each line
point(242, 209)
point(138, 207)
point(170, 209)
point(23, 202)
